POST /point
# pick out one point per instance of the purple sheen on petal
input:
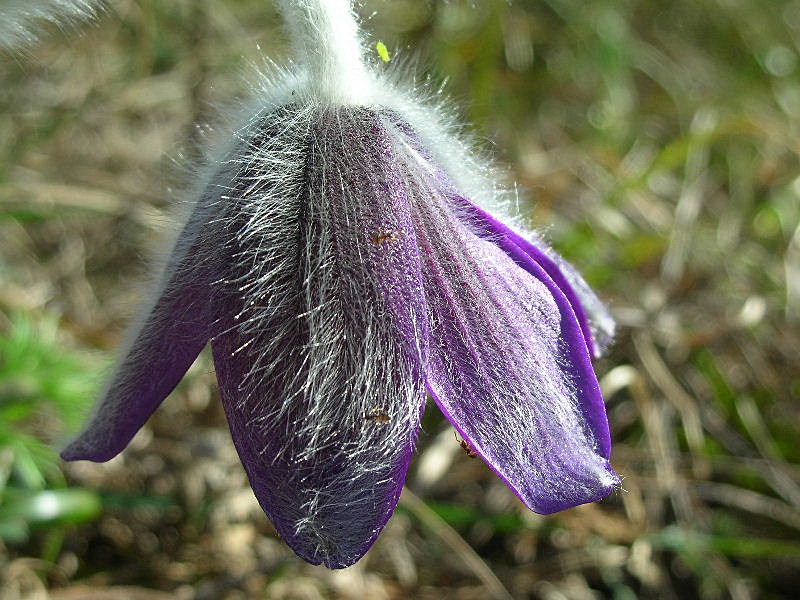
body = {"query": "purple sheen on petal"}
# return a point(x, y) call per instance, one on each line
point(319, 362)
point(486, 378)
point(174, 330)
point(596, 323)
point(508, 363)
point(513, 243)
point(572, 333)
point(600, 320)
point(328, 505)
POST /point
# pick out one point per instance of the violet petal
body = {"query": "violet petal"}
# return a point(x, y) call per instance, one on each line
point(319, 366)
point(507, 361)
point(172, 333)
point(568, 281)
point(512, 373)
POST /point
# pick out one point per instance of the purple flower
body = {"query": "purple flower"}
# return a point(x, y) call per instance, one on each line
point(342, 274)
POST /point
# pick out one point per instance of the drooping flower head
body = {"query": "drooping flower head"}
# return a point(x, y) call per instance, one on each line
point(343, 272)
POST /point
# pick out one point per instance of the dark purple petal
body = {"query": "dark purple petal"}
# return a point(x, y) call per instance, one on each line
point(510, 368)
point(319, 367)
point(173, 331)
point(507, 360)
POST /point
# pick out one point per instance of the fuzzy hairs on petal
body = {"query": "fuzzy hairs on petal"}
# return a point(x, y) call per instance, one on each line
point(601, 323)
point(170, 333)
point(319, 363)
point(508, 362)
point(596, 323)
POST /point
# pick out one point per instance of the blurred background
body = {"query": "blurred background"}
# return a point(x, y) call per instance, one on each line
point(657, 146)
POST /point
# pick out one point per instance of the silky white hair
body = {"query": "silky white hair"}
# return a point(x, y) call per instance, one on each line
point(21, 20)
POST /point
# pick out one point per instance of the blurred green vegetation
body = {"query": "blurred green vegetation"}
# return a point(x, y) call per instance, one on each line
point(657, 146)
point(44, 393)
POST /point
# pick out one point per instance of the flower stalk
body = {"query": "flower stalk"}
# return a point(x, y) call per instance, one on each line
point(326, 43)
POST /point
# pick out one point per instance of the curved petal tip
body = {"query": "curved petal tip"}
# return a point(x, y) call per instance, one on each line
point(597, 484)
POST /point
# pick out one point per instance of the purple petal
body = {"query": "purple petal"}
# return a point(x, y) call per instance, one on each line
point(511, 370)
point(319, 368)
point(596, 323)
point(508, 363)
point(173, 331)
point(597, 332)
point(600, 320)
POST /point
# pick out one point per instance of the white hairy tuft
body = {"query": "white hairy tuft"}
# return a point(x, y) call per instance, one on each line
point(325, 39)
point(334, 69)
point(21, 20)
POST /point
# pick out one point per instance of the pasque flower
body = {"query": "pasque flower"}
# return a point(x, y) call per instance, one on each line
point(339, 264)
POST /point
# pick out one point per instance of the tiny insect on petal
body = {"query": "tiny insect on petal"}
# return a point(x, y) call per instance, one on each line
point(383, 51)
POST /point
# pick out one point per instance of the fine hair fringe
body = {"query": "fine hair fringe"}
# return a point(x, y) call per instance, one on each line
point(21, 21)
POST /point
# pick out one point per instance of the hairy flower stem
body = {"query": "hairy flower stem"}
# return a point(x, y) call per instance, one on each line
point(325, 39)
